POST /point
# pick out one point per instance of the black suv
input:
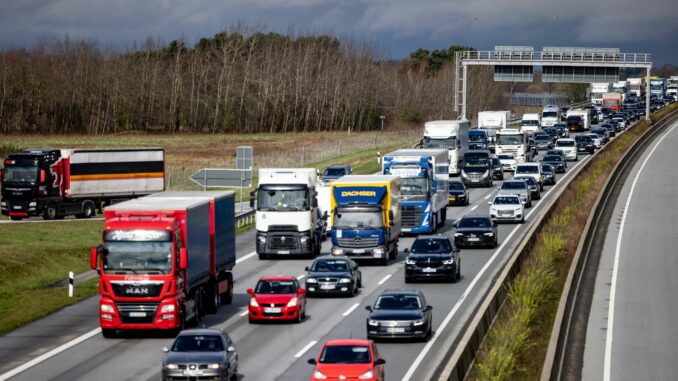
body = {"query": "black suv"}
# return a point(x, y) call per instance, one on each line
point(457, 193)
point(585, 144)
point(333, 275)
point(432, 257)
point(475, 231)
point(556, 161)
point(400, 314)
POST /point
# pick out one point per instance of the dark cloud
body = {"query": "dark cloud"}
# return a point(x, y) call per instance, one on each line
point(399, 25)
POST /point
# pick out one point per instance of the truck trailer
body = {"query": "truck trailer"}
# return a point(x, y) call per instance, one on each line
point(56, 183)
point(366, 219)
point(165, 260)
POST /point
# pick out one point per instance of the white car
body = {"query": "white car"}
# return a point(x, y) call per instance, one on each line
point(507, 207)
point(508, 162)
point(568, 146)
point(531, 170)
point(597, 141)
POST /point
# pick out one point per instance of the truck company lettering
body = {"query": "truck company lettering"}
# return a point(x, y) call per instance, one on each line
point(358, 194)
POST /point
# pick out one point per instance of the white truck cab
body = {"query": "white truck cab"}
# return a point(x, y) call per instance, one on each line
point(513, 141)
point(451, 135)
point(530, 123)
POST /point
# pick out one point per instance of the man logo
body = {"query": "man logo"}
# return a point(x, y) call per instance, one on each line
point(136, 291)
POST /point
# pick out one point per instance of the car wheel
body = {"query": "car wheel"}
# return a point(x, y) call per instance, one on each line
point(263, 256)
point(88, 210)
point(468, 200)
point(383, 261)
point(251, 321)
point(458, 276)
point(109, 333)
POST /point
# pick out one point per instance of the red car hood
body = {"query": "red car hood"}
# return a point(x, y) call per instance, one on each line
point(273, 298)
point(348, 370)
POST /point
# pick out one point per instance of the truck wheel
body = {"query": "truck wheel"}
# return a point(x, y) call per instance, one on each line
point(109, 333)
point(14, 218)
point(212, 303)
point(88, 210)
point(50, 212)
point(443, 217)
point(227, 297)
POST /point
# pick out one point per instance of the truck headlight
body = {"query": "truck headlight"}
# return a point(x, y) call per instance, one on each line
point(303, 239)
point(379, 251)
point(107, 308)
point(261, 239)
point(167, 308)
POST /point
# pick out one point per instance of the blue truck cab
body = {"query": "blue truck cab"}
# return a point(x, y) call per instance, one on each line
point(478, 139)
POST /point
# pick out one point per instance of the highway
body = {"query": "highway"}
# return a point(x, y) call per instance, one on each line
point(274, 351)
point(632, 332)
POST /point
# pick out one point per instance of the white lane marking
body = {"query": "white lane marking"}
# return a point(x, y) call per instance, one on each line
point(245, 257)
point(467, 292)
point(474, 207)
point(488, 196)
point(300, 277)
point(607, 367)
point(305, 349)
point(385, 279)
point(348, 311)
point(244, 313)
point(50, 354)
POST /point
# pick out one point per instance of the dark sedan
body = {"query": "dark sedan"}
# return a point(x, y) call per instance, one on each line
point(543, 141)
point(457, 193)
point(400, 314)
point(474, 231)
point(549, 174)
point(333, 275)
point(611, 130)
point(552, 133)
point(556, 161)
point(432, 257)
point(497, 170)
point(585, 144)
point(201, 354)
point(532, 185)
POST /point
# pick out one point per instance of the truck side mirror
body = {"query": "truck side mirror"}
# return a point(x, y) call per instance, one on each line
point(252, 196)
point(183, 259)
point(390, 215)
point(43, 176)
point(314, 202)
point(325, 215)
point(93, 257)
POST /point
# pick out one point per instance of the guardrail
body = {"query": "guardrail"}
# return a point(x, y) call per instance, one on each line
point(244, 218)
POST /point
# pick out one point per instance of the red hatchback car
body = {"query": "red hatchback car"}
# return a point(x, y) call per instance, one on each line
point(277, 298)
point(348, 360)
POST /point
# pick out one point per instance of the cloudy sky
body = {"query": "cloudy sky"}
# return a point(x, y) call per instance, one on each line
point(399, 26)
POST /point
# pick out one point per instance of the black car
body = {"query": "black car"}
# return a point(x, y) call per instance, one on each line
point(475, 231)
point(552, 133)
point(532, 185)
point(336, 171)
point(555, 151)
point(543, 141)
point(457, 193)
point(333, 275)
point(497, 170)
point(432, 257)
point(562, 130)
point(563, 113)
point(400, 314)
point(585, 144)
point(532, 147)
point(556, 161)
point(602, 132)
point(611, 130)
point(549, 174)
point(201, 353)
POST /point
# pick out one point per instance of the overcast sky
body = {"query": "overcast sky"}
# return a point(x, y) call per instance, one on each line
point(399, 26)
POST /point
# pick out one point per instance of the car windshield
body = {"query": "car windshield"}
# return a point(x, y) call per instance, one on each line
point(431, 246)
point(529, 180)
point(472, 222)
point(137, 255)
point(456, 185)
point(549, 114)
point(351, 219)
point(565, 143)
point(329, 266)
point(20, 174)
point(506, 200)
point(335, 172)
point(543, 137)
point(283, 200)
point(530, 123)
point(552, 158)
point(476, 159)
point(513, 185)
point(582, 139)
point(345, 354)
point(527, 169)
point(398, 302)
point(440, 143)
point(198, 343)
point(547, 168)
point(510, 139)
point(574, 119)
point(275, 287)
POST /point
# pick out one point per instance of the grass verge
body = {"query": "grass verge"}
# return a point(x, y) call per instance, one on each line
point(516, 345)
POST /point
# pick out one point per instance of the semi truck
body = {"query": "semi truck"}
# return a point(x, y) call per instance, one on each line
point(493, 121)
point(165, 260)
point(514, 142)
point(366, 219)
point(622, 88)
point(423, 187)
point(585, 116)
point(598, 89)
point(657, 87)
point(55, 183)
point(635, 86)
point(613, 101)
point(288, 222)
point(478, 139)
point(451, 135)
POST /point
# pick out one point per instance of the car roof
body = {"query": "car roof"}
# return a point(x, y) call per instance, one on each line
point(514, 181)
point(526, 164)
point(476, 216)
point(506, 195)
point(338, 166)
point(399, 291)
point(277, 277)
point(332, 257)
point(432, 236)
point(341, 342)
point(201, 331)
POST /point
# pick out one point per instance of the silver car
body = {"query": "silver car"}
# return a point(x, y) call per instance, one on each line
point(519, 188)
point(201, 354)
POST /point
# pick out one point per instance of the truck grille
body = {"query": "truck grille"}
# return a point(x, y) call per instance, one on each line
point(411, 216)
point(127, 309)
point(283, 242)
point(358, 242)
point(143, 290)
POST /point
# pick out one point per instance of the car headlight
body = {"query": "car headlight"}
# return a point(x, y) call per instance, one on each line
point(293, 302)
point(167, 308)
point(458, 234)
point(409, 261)
point(486, 173)
point(253, 302)
point(213, 366)
point(303, 239)
point(261, 239)
point(171, 366)
point(448, 261)
point(493, 210)
point(418, 322)
point(488, 234)
point(366, 376)
point(344, 280)
point(311, 280)
point(317, 374)
point(463, 174)
point(107, 308)
point(373, 322)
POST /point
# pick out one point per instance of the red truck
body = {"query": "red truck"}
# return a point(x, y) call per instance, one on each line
point(612, 101)
point(165, 260)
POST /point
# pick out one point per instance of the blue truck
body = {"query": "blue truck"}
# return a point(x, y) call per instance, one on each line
point(423, 187)
point(478, 139)
point(366, 217)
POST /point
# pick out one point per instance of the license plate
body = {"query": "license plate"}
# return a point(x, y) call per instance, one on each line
point(359, 251)
point(429, 270)
point(137, 314)
point(395, 330)
point(453, 198)
point(327, 287)
point(272, 310)
point(17, 207)
point(472, 239)
point(192, 372)
point(283, 251)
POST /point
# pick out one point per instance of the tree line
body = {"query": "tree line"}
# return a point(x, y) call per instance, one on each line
point(238, 81)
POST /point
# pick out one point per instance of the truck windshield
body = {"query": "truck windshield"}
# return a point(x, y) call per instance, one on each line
point(138, 257)
point(510, 140)
point(449, 143)
point(530, 123)
point(20, 174)
point(549, 114)
point(477, 137)
point(413, 186)
point(283, 200)
point(355, 219)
